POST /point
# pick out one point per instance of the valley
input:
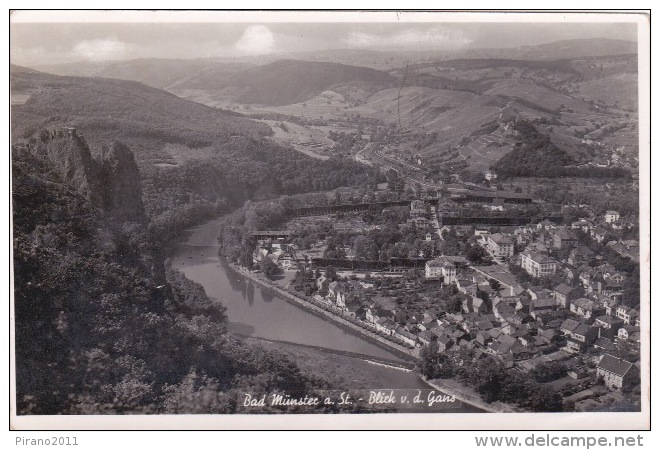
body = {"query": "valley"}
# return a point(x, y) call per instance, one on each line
point(447, 212)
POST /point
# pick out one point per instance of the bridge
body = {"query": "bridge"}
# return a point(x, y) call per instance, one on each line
point(343, 208)
point(269, 234)
point(485, 197)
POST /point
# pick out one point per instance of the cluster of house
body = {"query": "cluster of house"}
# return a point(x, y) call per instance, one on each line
point(543, 244)
point(521, 327)
point(272, 246)
point(498, 317)
point(419, 214)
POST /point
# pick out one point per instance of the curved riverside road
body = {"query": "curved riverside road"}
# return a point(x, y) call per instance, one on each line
point(261, 313)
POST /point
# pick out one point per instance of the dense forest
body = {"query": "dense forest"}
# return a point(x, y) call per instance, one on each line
point(102, 326)
point(535, 155)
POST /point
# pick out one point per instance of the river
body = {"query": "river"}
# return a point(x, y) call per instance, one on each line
point(260, 313)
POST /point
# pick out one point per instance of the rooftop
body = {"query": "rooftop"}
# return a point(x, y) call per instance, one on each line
point(614, 365)
point(564, 289)
point(538, 257)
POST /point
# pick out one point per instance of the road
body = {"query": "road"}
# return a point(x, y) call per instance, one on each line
point(369, 155)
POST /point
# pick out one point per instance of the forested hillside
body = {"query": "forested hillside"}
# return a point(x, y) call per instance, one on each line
point(195, 161)
point(101, 326)
point(535, 155)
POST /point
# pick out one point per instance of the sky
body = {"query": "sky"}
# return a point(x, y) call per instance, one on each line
point(59, 39)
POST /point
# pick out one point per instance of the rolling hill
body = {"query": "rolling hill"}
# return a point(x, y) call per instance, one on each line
point(577, 85)
point(154, 72)
point(195, 161)
point(286, 82)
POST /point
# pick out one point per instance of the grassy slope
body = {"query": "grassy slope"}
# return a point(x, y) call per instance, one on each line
point(145, 118)
point(286, 82)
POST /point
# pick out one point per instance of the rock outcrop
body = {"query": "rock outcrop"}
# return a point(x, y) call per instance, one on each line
point(120, 189)
point(111, 183)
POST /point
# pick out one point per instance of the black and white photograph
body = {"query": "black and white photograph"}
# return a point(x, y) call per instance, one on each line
point(313, 219)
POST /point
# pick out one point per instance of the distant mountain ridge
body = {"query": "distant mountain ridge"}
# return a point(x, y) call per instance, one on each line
point(289, 81)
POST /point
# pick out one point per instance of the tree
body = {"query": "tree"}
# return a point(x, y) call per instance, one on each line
point(476, 254)
point(549, 371)
point(429, 360)
point(269, 268)
point(331, 273)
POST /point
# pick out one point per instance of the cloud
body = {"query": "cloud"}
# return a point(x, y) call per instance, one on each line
point(256, 39)
point(437, 37)
point(101, 49)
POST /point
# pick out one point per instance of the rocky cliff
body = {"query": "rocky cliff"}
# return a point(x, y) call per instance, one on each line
point(111, 182)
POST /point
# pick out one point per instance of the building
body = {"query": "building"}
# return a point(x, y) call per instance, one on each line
point(490, 175)
point(581, 338)
point(433, 268)
point(630, 316)
point(499, 246)
point(616, 372)
point(537, 265)
point(568, 326)
point(563, 295)
point(509, 285)
point(608, 326)
point(443, 267)
point(417, 209)
point(564, 238)
point(627, 249)
point(586, 308)
point(612, 216)
point(580, 255)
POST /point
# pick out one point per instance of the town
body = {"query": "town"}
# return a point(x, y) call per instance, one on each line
point(543, 295)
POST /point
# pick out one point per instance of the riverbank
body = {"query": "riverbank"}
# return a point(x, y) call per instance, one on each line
point(470, 396)
point(450, 387)
point(308, 304)
point(320, 343)
point(356, 372)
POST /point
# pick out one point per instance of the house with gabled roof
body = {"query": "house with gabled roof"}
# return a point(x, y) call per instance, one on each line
point(563, 238)
point(604, 343)
point(406, 336)
point(581, 338)
point(543, 304)
point(630, 316)
point(524, 304)
point(475, 305)
point(499, 246)
point(483, 338)
point(545, 225)
point(563, 295)
point(444, 343)
point(583, 224)
point(612, 216)
point(627, 331)
point(586, 308)
point(616, 372)
point(568, 326)
point(426, 337)
point(501, 310)
point(598, 234)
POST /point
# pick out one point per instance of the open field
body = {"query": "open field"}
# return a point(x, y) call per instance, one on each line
point(309, 140)
point(571, 96)
point(618, 90)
